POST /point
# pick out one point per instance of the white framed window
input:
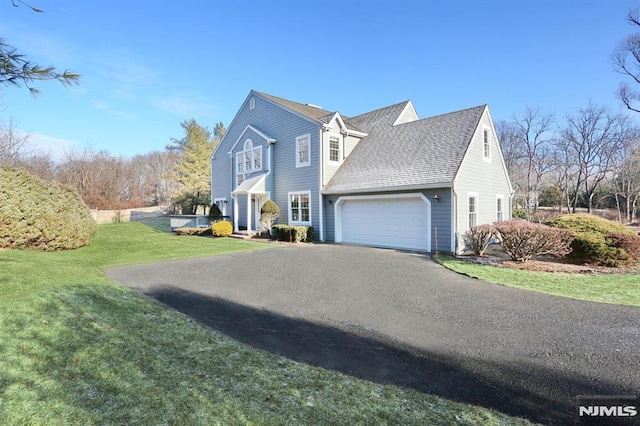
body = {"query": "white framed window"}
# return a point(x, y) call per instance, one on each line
point(222, 205)
point(249, 160)
point(252, 103)
point(499, 207)
point(486, 145)
point(334, 150)
point(303, 151)
point(300, 208)
point(472, 209)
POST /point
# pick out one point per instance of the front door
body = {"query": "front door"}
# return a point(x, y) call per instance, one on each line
point(257, 203)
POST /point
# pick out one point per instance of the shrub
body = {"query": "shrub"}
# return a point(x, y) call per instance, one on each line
point(292, 233)
point(629, 246)
point(592, 243)
point(201, 232)
point(478, 238)
point(269, 213)
point(222, 229)
point(214, 213)
point(523, 240)
point(40, 215)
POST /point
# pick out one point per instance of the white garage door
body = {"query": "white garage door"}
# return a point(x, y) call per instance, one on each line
point(385, 221)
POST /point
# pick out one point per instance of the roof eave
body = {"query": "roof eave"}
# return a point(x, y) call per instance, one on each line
point(446, 184)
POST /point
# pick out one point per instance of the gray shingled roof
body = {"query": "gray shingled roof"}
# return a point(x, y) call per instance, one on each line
point(312, 112)
point(422, 152)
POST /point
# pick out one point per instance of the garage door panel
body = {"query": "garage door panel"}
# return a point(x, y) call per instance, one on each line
point(386, 222)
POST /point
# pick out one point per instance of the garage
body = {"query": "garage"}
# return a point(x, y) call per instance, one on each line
point(394, 220)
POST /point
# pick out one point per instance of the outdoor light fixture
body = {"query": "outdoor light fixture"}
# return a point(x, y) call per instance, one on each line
point(436, 198)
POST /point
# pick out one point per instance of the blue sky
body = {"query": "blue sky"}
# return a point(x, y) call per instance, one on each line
point(147, 65)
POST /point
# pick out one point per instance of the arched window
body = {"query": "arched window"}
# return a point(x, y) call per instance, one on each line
point(248, 161)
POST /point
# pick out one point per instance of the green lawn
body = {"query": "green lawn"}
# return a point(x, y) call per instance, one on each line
point(79, 349)
point(623, 289)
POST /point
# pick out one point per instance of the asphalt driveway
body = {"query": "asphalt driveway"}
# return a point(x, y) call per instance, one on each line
point(398, 317)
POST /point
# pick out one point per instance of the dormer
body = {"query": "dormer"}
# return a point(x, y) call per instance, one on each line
point(407, 115)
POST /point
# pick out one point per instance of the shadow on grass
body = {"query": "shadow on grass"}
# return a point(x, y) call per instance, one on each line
point(159, 224)
point(517, 389)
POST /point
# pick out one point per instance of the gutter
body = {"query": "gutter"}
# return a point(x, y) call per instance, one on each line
point(388, 188)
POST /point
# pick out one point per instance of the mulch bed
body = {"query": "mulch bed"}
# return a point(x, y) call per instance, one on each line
point(496, 256)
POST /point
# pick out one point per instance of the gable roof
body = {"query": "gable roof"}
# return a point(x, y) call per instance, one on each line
point(310, 111)
point(425, 152)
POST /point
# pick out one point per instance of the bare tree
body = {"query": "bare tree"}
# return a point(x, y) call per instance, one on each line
point(626, 61)
point(626, 179)
point(13, 144)
point(526, 146)
point(513, 153)
point(534, 135)
point(590, 139)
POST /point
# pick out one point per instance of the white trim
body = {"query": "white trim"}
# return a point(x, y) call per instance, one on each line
point(253, 129)
point(413, 111)
point(223, 210)
point(338, 210)
point(329, 160)
point(321, 138)
point(476, 205)
point(499, 197)
point(252, 103)
point(486, 144)
point(454, 220)
point(437, 185)
point(300, 222)
point(298, 140)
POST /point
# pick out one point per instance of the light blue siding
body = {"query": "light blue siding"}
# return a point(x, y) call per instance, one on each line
point(284, 126)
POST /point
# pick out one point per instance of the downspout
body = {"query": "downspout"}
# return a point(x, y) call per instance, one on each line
point(320, 201)
point(454, 219)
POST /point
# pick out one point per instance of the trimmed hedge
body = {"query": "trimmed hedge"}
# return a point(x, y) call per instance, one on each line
point(594, 240)
point(40, 215)
point(268, 214)
point(200, 232)
point(523, 240)
point(222, 229)
point(296, 234)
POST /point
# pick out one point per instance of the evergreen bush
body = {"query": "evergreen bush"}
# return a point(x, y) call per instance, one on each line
point(269, 213)
point(593, 241)
point(292, 234)
point(40, 215)
point(222, 229)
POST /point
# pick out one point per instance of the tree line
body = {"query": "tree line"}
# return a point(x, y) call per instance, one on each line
point(591, 161)
point(178, 175)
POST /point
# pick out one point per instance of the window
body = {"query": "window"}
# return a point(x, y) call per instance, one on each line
point(300, 208)
point(473, 211)
point(334, 150)
point(249, 160)
point(499, 207)
point(486, 146)
point(303, 151)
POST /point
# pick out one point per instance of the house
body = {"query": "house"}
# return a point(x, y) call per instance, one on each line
point(383, 178)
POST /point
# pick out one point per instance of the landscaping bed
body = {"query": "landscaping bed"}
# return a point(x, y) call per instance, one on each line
point(496, 256)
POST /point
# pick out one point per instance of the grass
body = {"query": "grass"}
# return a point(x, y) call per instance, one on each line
point(623, 289)
point(79, 349)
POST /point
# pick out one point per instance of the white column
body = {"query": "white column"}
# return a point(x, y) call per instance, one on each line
point(248, 212)
point(235, 213)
